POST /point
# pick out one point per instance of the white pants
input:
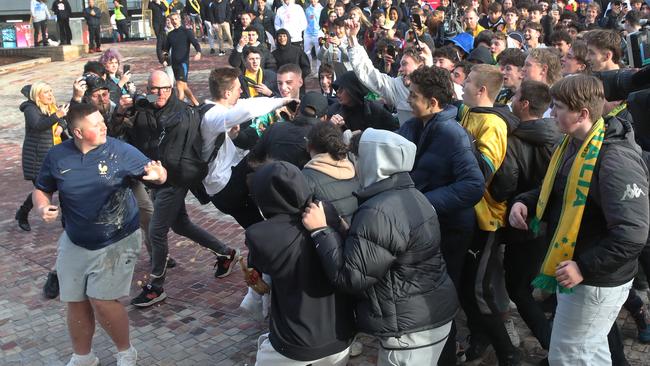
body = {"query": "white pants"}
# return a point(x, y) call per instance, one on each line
point(268, 356)
point(210, 29)
point(312, 42)
point(420, 348)
point(581, 324)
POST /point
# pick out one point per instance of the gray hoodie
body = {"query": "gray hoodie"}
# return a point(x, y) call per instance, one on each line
point(382, 154)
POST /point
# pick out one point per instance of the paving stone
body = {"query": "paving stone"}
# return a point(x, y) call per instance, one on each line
point(200, 323)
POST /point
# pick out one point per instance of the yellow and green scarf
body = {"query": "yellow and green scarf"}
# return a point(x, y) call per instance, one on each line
point(573, 204)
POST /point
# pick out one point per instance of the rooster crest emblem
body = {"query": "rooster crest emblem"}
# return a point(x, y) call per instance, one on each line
point(103, 168)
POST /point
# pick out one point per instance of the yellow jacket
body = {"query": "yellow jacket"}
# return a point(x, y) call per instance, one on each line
point(490, 132)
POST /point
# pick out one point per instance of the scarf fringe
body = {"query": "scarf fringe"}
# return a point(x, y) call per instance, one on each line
point(549, 284)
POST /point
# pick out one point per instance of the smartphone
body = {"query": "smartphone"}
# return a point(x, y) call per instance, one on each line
point(126, 69)
point(292, 106)
point(391, 51)
point(415, 19)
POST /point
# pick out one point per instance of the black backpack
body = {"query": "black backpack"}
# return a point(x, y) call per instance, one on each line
point(180, 147)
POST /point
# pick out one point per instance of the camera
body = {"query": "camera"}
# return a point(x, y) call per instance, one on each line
point(638, 48)
point(142, 100)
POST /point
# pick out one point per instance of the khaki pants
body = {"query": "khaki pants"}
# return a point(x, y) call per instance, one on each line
point(223, 34)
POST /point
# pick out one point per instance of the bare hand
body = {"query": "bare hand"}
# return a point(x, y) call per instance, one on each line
point(568, 274)
point(314, 217)
point(234, 132)
point(334, 40)
point(125, 103)
point(164, 63)
point(197, 57)
point(388, 59)
point(263, 89)
point(352, 28)
point(126, 77)
point(62, 111)
point(58, 131)
point(518, 216)
point(155, 172)
point(425, 53)
point(337, 120)
point(49, 213)
point(79, 88)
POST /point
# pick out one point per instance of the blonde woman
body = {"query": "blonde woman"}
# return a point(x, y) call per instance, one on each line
point(44, 127)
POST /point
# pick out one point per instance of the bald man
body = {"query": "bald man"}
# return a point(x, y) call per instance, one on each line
point(143, 130)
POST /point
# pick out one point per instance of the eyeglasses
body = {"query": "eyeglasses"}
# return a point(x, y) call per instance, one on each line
point(157, 89)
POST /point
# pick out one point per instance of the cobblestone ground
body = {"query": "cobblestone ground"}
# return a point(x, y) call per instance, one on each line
point(200, 322)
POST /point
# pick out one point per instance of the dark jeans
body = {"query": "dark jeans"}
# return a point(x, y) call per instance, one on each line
point(64, 30)
point(521, 262)
point(158, 28)
point(235, 200)
point(169, 212)
point(123, 28)
point(454, 244)
point(480, 271)
point(42, 28)
point(94, 37)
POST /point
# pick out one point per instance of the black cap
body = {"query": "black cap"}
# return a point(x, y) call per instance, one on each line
point(316, 102)
point(95, 83)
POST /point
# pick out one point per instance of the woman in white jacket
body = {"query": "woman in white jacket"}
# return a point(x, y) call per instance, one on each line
point(40, 15)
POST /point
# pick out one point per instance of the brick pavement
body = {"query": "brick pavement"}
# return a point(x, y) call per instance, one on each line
point(199, 323)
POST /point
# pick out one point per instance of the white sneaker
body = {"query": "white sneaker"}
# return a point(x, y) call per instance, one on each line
point(512, 332)
point(356, 348)
point(85, 360)
point(127, 358)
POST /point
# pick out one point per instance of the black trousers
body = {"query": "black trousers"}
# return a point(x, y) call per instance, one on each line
point(170, 212)
point(235, 200)
point(64, 30)
point(521, 262)
point(480, 282)
point(42, 28)
point(123, 28)
point(454, 244)
point(94, 36)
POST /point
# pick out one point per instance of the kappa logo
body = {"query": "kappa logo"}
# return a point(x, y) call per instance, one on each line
point(632, 191)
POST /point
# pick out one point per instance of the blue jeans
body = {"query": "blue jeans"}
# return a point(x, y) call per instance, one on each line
point(581, 324)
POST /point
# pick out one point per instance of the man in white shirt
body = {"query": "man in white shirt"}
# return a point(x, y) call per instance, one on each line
point(291, 17)
point(225, 182)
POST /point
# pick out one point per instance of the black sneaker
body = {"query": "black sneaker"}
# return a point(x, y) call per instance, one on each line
point(51, 288)
point(148, 297)
point(476, 348)
point(171, 263)
point(222, 53)
point(212, 51)
point(225, 263)
point(512, 359)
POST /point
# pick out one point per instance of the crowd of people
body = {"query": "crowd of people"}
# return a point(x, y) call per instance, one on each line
point(483, 156)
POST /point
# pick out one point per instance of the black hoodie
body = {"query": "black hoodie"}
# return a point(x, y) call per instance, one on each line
point(530, 147)
point(309, 320)
point(290, 54)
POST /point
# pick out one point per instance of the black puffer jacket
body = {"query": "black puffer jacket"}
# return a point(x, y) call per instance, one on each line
point(530, 147)
point(392, 260)
point(284, 141)
point(614, 225)
point(38, 135)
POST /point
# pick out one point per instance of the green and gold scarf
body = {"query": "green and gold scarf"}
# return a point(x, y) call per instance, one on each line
point(573, 204)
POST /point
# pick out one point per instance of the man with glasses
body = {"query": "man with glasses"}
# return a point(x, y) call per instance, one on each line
point(168, 200)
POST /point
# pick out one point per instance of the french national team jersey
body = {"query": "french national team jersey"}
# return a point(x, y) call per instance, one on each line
point(97, 203)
